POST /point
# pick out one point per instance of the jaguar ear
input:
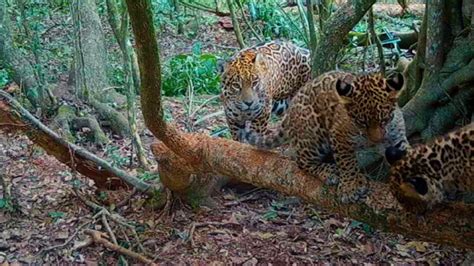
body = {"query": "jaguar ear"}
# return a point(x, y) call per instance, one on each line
point(419, 184)
point(395, 82)
point(260, 62)
point(343, 88)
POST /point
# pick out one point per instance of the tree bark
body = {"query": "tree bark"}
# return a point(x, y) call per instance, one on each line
point(334, 34)
point(197, 153)
point(90, 65)
point(443, 88)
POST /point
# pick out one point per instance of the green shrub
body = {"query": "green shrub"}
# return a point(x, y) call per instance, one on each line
point(197, 72)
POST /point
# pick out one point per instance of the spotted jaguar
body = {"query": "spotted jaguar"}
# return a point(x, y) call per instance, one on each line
point(436, 172)
point(260, 80)
point(327, 120)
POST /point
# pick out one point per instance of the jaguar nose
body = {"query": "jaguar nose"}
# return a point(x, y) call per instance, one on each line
point(248, 103)
point(394, 154)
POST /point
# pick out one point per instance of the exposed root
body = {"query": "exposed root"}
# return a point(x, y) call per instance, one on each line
point(115, 217)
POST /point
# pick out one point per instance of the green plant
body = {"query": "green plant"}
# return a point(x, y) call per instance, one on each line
point(196, 70)
point(147, 176)
point(117, 159)
point(56, 215)
point(4, 78)
point(7, 205)
point(277, 23)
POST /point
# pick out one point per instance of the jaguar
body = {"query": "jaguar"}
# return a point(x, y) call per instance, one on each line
point(328, 119)
point(432, 173)
point(259, 81)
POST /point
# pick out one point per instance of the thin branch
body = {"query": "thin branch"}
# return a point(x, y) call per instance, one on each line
point(247, 22)
point(376, 40)
point(201, 7)
point(312, 29)
point(99, 238)
point(303, 18)
point(235, 24)
point(108, 229)
point(294, 25)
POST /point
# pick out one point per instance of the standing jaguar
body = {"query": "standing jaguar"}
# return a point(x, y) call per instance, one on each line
point(434, 172)
point(261, 80)
point(327, 119)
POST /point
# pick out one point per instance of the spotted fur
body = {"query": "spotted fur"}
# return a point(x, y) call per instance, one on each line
point(260, 80)
point(326, 120)
point(432, 173)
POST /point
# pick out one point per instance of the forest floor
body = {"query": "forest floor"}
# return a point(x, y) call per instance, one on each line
point(249, 227)
point(243, 227)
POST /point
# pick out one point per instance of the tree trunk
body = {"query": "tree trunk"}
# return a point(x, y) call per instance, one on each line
point(197, 153)
point(121, 33)
point(90, 65)
point(334, 34)
point(443, 87)
point(44, 93)
point(22, 72)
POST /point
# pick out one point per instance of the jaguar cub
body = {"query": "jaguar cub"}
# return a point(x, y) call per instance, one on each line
point(261, 80)
point(435, 172)
point(326, 120)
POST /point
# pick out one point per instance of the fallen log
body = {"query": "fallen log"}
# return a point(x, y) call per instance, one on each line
point(449, 224)
point(16, 118)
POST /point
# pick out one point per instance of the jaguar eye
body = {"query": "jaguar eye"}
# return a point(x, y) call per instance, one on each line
point(343, 88)
point(419, 184)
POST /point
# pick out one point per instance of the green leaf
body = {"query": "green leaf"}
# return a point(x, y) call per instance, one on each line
point(57, 215)
point(270, 215)
point(3, 203)
point(197, 46)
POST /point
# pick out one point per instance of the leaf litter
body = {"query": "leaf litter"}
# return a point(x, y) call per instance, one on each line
point(254, 227)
